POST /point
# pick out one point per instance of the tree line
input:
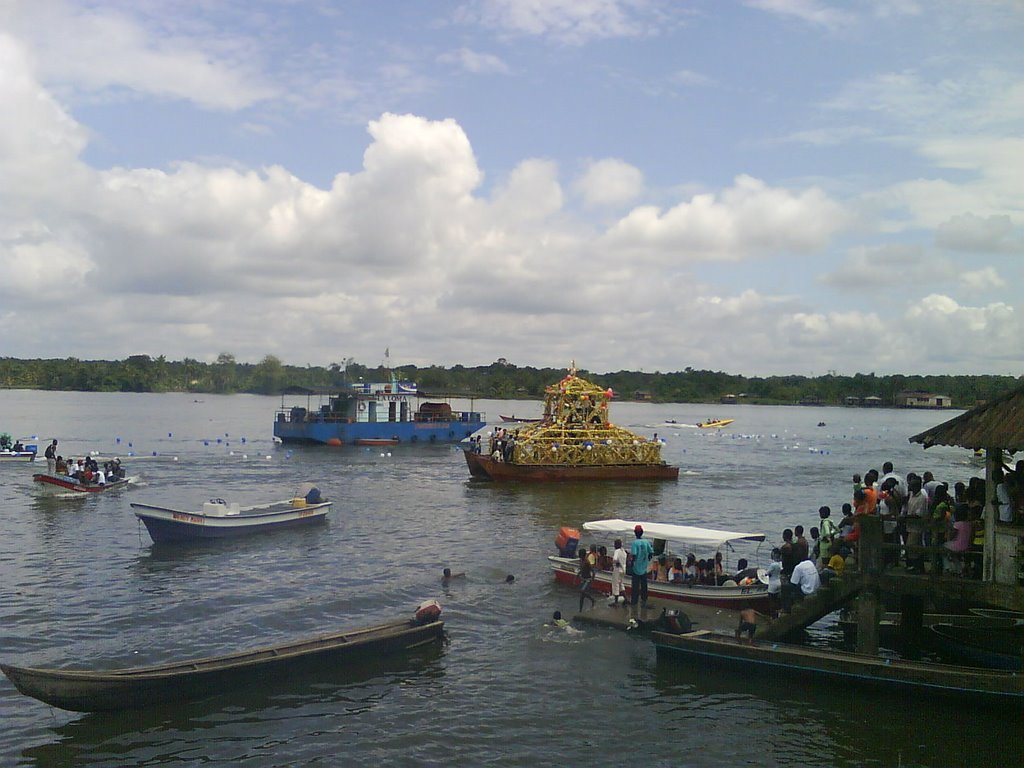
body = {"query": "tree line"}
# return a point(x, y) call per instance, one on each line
point(500, 380)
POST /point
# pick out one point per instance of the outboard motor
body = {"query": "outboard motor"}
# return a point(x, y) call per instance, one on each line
point(674, 621)
point(567, 540)
point(313, 496)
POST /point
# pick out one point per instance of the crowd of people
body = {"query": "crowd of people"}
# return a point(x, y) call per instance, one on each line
point(927, 525)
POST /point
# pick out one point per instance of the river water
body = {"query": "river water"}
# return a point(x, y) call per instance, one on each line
point(82, 585)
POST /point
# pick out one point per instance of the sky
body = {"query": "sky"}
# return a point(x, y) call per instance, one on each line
point(759, 187)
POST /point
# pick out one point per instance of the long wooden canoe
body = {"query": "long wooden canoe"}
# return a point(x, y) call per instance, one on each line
point(707, 649)
point(105, 690)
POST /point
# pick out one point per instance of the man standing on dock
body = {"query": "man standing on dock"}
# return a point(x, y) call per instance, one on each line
point(642, 552)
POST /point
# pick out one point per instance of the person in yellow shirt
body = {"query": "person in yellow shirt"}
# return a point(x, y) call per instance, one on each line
point(834, 569)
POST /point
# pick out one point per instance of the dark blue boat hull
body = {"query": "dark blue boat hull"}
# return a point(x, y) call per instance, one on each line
point(162, 531)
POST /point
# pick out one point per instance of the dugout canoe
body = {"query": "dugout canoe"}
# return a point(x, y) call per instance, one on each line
point(830, 667)
point(136, 688)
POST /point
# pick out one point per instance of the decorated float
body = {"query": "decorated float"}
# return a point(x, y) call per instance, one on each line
point(574, 440)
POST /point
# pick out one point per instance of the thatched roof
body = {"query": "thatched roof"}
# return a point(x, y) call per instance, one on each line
point(998, 423)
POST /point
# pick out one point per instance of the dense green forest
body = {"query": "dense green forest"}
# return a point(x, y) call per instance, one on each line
point(499, 380)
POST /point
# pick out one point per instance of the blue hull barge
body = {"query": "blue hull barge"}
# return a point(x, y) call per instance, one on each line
point(384, 413)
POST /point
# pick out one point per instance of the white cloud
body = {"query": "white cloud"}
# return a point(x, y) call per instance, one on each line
point(110, 54)
point(689, 78)
point(971, 337)
point(980, 280)
point(748, 218)
point(609, 182)
point(573, 22)
point(976, 234)
point(810, 11)
point(472, 61)
point(889, 267)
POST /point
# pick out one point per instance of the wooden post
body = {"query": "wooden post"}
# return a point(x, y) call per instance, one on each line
point(867, 619)
point(870, 555)
point(993, 459)
point(911, 622)
point(871, 560)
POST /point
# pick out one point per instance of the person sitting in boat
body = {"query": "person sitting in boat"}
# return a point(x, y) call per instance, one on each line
point(61, 466)
point(744, 573)
point(718, 569)
point(705, 571)
point(691, 573)
point(675, 573)
point(86, 475)
point(99, 477)
point(604, 560)
point(118, 470)
point(18, 447)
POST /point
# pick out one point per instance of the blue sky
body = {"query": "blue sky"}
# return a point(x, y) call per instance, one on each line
point(759, 186)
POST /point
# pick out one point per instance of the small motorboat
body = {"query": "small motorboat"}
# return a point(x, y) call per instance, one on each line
point(12, 455)
point(377, 441)
point(15, 450)
point(727, 595)
point(715, 423)
point(120, 689)
point(219, 519)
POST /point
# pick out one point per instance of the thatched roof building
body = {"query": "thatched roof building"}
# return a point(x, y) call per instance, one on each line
point(998, 423)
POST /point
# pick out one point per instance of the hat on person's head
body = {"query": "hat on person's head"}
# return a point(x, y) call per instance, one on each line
point(638, 529)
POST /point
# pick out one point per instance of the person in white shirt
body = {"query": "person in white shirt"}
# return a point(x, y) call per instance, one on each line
point(618, 573)
point(803, 582)
point(1005, 507)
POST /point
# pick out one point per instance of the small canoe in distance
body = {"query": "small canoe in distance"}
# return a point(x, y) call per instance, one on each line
point(376, 441)
point(219, 520)
point(108, 690)
point(513, 418)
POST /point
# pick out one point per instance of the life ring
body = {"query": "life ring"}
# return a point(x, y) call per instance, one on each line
point(362, 406)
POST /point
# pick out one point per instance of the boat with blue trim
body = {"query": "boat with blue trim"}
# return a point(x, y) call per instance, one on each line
point(219, 519)
point(15, 450)
point(379, 413)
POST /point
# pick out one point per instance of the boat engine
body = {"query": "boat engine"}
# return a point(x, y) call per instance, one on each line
point(674, 621)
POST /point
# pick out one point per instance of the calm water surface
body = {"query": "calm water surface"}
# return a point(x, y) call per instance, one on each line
point(82, 585)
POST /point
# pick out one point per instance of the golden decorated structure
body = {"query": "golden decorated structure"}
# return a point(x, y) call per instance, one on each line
point(575, 431)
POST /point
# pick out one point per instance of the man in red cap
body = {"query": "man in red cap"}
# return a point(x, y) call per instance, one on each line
point(642, 552)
